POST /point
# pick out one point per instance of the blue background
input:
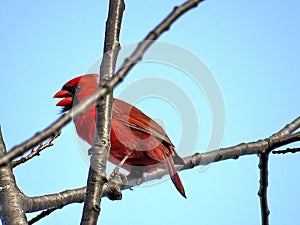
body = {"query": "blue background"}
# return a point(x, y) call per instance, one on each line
point(252, 48)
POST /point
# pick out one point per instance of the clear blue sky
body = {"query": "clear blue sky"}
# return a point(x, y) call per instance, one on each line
point(251, 47)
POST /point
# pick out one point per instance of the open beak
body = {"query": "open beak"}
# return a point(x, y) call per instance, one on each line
point(66, 95)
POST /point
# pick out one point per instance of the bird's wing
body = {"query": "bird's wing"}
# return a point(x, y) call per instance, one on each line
point(136, 119)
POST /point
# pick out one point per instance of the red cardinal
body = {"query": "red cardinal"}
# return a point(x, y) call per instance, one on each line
point(135, 138)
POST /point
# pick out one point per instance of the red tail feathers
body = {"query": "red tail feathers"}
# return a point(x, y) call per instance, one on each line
point(174, 176)
point(178, 184)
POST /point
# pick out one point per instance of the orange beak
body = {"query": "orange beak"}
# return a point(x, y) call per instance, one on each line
point(63, 94)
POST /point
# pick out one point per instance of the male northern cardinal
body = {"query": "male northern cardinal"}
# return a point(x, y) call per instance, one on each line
point(135, 138)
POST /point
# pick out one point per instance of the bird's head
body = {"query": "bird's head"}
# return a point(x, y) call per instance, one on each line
point(77, 89)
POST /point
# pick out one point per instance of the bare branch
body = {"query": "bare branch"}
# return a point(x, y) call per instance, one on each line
point(10, 196)
point(101, 147)
point(36, 152)
point(288, 150)
point(289, 128)
point(262, 193)
point(58, 200)
point(234, 152)
point(112, 190)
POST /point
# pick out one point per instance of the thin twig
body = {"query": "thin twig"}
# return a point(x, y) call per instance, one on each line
point(288, 150)
point(41, 215)
point(36, 152)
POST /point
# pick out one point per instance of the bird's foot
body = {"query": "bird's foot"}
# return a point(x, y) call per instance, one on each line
point(118, 177)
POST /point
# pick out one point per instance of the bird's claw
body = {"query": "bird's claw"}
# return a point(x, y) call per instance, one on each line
point(118, 177)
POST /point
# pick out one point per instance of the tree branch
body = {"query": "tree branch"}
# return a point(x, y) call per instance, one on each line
point(111, 190)
point(58, 200)
point(36, 152)
point(289, 128)
point(101, 146)
point(284, 136)
point(262, 193)
point(234, 152)
point(10, 196)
